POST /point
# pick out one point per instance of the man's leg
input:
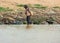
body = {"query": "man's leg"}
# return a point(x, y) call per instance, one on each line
point(28, 20)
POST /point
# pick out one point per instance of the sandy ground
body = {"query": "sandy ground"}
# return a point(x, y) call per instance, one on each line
point(12, 3)
point(30, 34)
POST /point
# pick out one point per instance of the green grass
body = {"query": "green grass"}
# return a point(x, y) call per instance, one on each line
point(39, 6)
point(20, 5)
point(2, 9)
point(56, 7)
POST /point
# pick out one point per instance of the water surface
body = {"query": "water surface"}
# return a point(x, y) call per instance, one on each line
point(30, 34)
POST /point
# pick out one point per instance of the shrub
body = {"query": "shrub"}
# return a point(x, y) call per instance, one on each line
point(38, 20)
point(8, 9)
point(24, 22)
point(50, 20)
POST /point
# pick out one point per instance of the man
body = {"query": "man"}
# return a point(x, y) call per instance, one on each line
point(28, 14)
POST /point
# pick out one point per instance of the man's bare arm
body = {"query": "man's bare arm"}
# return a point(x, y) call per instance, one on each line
point(26, 12)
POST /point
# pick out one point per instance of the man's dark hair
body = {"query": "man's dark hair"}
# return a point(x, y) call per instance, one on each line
point(25, 6)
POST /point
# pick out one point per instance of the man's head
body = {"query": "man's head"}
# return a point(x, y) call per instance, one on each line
point(25, 6)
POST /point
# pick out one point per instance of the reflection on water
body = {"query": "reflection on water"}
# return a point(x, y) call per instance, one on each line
point(29, 26)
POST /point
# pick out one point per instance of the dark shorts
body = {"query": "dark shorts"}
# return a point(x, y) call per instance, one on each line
point(28, 18)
